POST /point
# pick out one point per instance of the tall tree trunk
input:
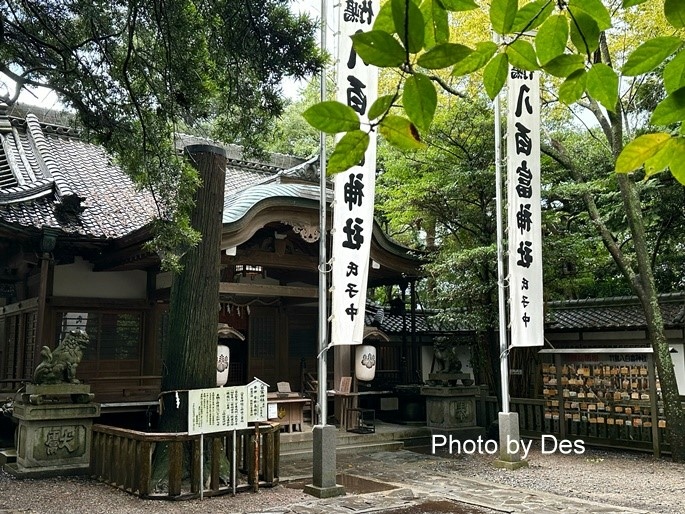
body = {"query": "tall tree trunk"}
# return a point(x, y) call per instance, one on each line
point(638, 271)
point(191, 350)
point(643, 285)
point(190, 358)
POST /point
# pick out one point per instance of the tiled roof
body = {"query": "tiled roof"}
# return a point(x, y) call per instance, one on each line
point(69, 185)
point(50, 178)
point(618, 313)
point(389, 322)
point(611, 313)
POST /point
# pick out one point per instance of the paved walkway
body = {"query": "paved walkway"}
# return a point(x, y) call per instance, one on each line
point(416, 481)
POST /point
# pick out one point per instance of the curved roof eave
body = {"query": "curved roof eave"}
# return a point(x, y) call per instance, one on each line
point(250, 209)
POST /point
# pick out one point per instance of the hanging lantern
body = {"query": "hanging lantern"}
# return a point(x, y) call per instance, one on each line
point(365, 362)
point(222, 358)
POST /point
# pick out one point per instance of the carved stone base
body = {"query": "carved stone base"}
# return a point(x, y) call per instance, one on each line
point(37, 394)
point(448, 379)
point(449, 408)
point(53, 439)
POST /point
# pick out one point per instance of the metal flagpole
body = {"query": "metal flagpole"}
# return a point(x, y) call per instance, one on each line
point(323, 289)
point(324, 435)
point(501, 296)
point(508, 421)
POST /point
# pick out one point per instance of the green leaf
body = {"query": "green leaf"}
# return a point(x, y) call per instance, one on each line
point(476, 60)
point(349, 151)
point(670, 110)
point(502, 15)
point(674, 73)
point(378, 48)
point(564, 65)
point(443, 55)
point(594, 9)
point(401, 132)
point(495, 75)
point(332, 117)
point(532, 15)
point(639, 150)
point(419, 100)
point(522, 55)
point(584, 33)
point(674, 10)
point(650, 54)
point(602, 85)
point(437, 28)
point(573, 87)
point(662, 159)
point(409, 25)
point(384, 19)
point(550, 41)
point(381, 106)
point(631, 3)
point(677, 163)
point(459, 5)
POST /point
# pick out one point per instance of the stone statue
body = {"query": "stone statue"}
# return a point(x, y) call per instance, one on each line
point(59, 365)
point(447, 364)
point(445, 352)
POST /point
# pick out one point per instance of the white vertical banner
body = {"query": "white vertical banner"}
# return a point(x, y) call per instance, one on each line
point(357, 85)
point(524, 232)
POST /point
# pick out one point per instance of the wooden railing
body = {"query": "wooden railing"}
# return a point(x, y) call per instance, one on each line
point(531, 413)
point(124, 458)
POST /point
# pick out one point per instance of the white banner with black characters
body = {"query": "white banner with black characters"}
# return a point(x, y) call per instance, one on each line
point(354, 189)
point(525, 234)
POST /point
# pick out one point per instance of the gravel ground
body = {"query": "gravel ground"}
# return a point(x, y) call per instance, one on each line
point(621, 478)
point(85, 496)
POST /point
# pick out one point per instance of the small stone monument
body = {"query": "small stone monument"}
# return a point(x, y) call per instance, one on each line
point(55, 415)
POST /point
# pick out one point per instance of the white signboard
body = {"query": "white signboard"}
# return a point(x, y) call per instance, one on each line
point(256, 401)
point(226, 408)
point(354, 188)
point(525, 234)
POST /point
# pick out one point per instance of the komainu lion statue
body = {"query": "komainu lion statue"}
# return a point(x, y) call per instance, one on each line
point(59, 365)
point(445, 352)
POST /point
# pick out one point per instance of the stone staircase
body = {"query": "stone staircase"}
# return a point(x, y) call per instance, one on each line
point(387, 437)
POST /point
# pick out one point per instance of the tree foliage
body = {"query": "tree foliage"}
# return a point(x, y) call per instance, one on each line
point(137, 70)
point(561, 39)
point(602, 64)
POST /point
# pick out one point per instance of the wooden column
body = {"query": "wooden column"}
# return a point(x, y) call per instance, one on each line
point(47, 272)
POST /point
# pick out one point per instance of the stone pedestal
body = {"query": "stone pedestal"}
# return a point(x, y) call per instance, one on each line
point(451, 410)
point(324, 464)
point(53, 438)
point(509, 431)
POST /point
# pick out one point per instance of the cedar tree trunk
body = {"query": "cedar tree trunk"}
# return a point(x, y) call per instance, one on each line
point(190, 358)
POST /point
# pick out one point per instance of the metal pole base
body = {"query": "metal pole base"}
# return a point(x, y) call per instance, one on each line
point(324, 464)
point(509, 442)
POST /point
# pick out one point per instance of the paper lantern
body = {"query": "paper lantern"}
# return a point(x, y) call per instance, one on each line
point(222, 358)
point(365, 362)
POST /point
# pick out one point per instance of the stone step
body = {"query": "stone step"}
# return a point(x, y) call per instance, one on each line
point(385, 446)
point(8, 455)
point(385, 438)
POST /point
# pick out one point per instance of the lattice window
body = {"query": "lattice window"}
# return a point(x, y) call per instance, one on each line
point(114, 336)
point(263, 337)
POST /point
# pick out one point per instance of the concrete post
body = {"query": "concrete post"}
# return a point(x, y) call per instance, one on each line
point(324, 482)
point(508, 432)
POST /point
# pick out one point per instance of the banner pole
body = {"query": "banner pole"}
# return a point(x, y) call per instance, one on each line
point(324, 436)
point(323, 308)
point(501, 296)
